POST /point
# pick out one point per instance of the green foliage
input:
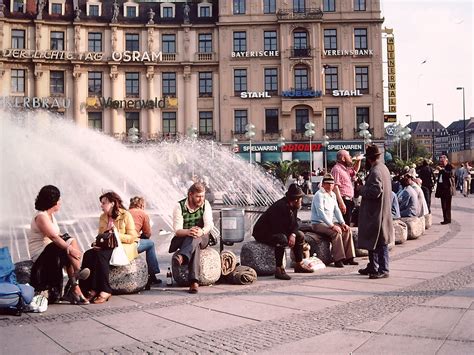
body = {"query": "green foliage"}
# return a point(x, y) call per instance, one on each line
point(282, 170)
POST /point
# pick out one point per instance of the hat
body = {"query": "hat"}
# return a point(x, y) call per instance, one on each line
point(372, 151)
point(294, 192)
point(328, 178)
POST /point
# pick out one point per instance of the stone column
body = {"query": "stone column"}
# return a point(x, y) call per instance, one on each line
point(114, 124)
point(38, 73)
point(151, 126)
point(188, 121)
point(76, 113)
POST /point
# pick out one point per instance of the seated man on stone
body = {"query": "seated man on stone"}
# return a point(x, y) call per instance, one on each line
point(415, 183)
point(395, 206)
point(192, 222)
point(278, 227)
point(408, 199)
point(327, 220)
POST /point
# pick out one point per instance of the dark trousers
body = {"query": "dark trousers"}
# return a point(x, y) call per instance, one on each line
point(190, 249)
point(378, 260)
point(349, 207)
point(279, 242)
point(446, 207)
point(98, 263)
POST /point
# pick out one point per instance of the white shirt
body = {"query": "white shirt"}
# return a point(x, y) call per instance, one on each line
point(207, 217)
point(37, 241)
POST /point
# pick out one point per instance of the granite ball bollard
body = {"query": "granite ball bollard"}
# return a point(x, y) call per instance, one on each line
point(130, 278)
point(210, 262)
point(428, 220)
point(23, 271)
point(415, 227)
point(260, 257)
point(358, 252)
point(423, 224)
point(320, 246)
point(400, 231)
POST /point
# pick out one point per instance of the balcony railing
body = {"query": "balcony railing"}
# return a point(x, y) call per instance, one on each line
point(304, 14)
point(205, 57)
point(335, 134)
point(168, 57)
point(207, 135)
point(239, 135)
point(300, 52)
point(270, 136)
point(298, 136)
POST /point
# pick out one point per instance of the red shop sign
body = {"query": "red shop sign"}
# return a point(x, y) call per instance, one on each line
point(301, 147)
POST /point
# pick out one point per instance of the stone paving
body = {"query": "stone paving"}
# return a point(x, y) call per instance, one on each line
point(426, 306)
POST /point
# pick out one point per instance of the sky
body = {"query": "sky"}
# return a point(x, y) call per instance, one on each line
point(434, 55)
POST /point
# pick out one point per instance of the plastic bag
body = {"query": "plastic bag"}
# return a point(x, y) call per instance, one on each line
point(119, 257)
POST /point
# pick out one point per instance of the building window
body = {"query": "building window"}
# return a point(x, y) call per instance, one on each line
point(329, 5)
point(56, 8)
point(330, 39)
point(94, 84)
point(240, 81)
point(239, 7)
point(299, 6)
point(94, 120)
point(57, 41)
point(270, 40)
point(271, 80)
point(300, 39)
point(132, 42)
point(362, 79)
point(93, 10)
point(240, 121)
point(362, 115)
point(131, 11)
point(302, 117)
point(132, 119)
point(205, 10)
point(18, 6)
point(330, 79)
point(18, 80)
point(205, 43)
point(240, 41)
point(167, 12)
point(359, 5)
point(169, 43)
point(169, 122)
point(205, 122)
point(332, 119)
point(132, 84)
point(169, 84)
point(301, 79)
point(205, 84)
point(269, 6)
point(56, 82)
point(18, 39)
point(360, 38)
point(271, 120)
point(95, 42)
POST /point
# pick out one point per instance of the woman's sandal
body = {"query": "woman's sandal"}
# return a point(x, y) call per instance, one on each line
point(101, 299)
point(90, 295)
point(75, 298)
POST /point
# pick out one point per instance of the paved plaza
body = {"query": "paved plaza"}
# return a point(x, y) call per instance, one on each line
point(425, 307)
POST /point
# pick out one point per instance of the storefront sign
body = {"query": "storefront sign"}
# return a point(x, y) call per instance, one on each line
point(255, 95)
point(301, 147)
point(138, 104)
point(346, 93)
point(340, 52)
point(350, 146)
point(390, 118)
point(392, 85)
point(301, 93)
point(247, 54)
point(126, 56)
point(245, 148)
point(34, 102)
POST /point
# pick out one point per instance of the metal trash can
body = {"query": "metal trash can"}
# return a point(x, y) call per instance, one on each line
point(232, 225)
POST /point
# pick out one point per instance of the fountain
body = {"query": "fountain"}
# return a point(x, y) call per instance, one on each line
point(42, 148)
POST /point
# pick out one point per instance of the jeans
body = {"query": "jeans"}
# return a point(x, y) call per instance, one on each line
point(378, 259)
point(148, 245)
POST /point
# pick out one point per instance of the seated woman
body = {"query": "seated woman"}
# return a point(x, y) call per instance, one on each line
point(142, 225)
point(97, 259)
point(51, 251)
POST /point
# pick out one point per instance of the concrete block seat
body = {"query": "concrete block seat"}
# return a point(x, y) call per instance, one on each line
point(260, 257)
point(415, 227)
point(210, 262)
point(130, 278)
point(401, 231)
point(359, 252)
point(428, 220)
point(320, 246)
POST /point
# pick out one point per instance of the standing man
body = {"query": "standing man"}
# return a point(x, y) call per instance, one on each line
point(466, 178)
point(427, 180)
point(192, 222)
point(445, 187)
point(327, 220)
point(375, 216)
point(344, 174)
point(278, 228)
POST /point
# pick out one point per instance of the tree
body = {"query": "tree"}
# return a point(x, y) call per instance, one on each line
point(282, 170)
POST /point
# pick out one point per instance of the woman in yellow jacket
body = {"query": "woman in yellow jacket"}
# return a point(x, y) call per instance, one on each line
point(98, 259)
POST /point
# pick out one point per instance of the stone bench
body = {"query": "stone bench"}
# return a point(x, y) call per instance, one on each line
point(210, 262)
point(319, 245)
point(401, 231)
point(260, 257)
point(415, 225)
point(428, 220)
point(364, 252)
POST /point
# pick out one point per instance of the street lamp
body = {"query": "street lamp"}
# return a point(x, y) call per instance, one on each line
point(463, 116)
point(133, 135)
point(250, 133)
point(281, 144)
point(409, 115)
point(309, 133)
point(405, 134)
point(365, 133)
point(325, 144)
point(432, 128)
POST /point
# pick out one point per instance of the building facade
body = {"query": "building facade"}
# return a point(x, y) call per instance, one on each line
point(164, 67)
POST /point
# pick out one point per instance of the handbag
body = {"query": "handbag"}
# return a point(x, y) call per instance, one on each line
point(106, 240)
point(119, 257)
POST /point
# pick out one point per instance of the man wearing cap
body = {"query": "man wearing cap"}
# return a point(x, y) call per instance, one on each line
point(324, 210)
point(344, 173)
point(278, 227)
point(375, 216)
point(408, 199)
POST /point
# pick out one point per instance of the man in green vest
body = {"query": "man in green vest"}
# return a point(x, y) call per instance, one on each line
point(192, 222)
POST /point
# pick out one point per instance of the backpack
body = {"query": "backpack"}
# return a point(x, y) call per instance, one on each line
point(13, 297)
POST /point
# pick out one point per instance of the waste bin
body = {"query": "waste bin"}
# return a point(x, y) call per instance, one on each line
point(232, 225)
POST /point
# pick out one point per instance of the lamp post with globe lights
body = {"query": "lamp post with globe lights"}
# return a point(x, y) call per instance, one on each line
point(281, 144)
point(325, 143)
point(463, 117)
point(365, 133)
point(250, 133)
point(132, 135)
point(309, 133)
point(432, 128)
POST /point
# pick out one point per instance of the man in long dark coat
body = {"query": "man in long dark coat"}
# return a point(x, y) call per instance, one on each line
point(375, 217)
point(445, 187)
